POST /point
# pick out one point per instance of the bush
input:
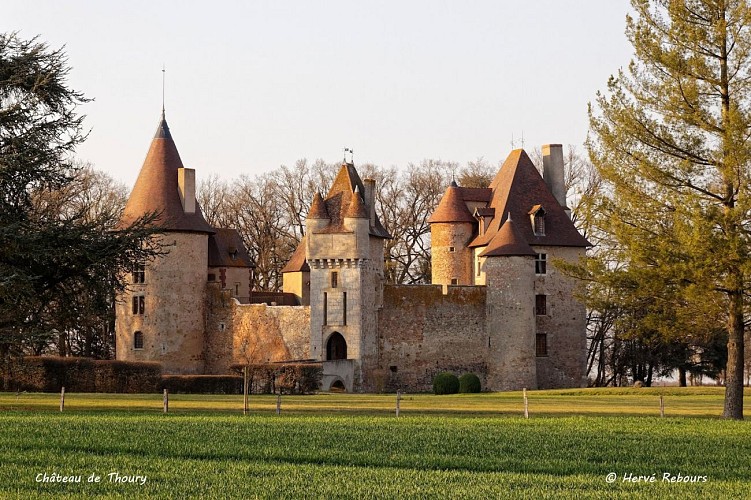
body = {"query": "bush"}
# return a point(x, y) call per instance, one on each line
point(202, 384)
point(445, 383)
point(469, 382)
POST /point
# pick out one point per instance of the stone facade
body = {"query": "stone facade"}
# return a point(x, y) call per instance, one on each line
point(498, 306)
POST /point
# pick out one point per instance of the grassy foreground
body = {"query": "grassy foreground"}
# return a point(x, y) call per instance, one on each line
point(353, 446)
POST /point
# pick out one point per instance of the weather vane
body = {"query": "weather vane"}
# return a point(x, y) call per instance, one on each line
point(164, 75)
point(351, 155)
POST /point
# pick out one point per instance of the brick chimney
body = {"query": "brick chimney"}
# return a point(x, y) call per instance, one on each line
point(552, 172)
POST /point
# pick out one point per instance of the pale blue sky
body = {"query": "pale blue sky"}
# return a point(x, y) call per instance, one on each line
point(252, 85)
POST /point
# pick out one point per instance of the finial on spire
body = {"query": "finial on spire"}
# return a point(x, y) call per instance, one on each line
point(508, 219)
point(164, 72)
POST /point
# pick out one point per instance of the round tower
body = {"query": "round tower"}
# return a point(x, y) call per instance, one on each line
point(451, 229)
point(161, 316)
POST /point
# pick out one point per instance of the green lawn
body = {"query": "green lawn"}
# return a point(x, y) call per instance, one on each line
point(351, 445)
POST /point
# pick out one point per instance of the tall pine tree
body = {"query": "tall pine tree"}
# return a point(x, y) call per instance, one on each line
point(671, 139)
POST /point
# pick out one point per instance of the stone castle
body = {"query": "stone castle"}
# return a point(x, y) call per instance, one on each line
point(498, 307)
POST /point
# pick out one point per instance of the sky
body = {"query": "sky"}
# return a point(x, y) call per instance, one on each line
point(253, 85)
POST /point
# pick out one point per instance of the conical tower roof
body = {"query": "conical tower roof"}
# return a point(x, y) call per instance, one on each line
point(451, 208)
point(508, 241)
point(356, 209)
point(156, 189)
point(317, 208)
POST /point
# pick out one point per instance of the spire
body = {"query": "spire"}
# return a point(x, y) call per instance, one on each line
point(317, 208)
point(156, 189)
point(356, 209)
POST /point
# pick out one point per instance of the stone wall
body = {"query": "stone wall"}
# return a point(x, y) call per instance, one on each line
point(253, 333)
point(448, 264)
point(564, 324)
point(423, 332)
point(173, 320)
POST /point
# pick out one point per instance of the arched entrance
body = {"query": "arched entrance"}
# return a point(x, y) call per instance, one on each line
point(337, 386)
point(336, 347)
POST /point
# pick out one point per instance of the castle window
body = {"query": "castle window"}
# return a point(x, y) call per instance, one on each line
point(139, 273)
point(452, 249)
point(541, 345)
point(344, 308)
point(212, 277)
point(138, 340)
point(541, 263)
point(139, 304)
point(334, 279)
point(537, 217)
point(237, 289)
point(325, 308)
point(454, 281)
point(541, 305)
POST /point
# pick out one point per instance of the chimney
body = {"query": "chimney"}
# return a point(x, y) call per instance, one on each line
point(186, 186)
point(370, 198)
point(552, 172)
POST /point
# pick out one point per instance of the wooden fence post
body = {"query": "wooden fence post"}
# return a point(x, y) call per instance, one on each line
point(398, 400)
point(245, 390)
point(526, 404)
point(662, 407)
point(165, 401)
point(279, 403)
point(62, 398)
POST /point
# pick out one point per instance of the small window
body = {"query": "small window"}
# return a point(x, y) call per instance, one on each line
point(393, 369)
point(212, 277)
point(452, 249)
point(479, 266)
point(138, 340)
point(139, 303)
point(325, 308)
point(541, 345)
point(541, 263)
point(454, 281)
point(334, 279)
point(139, 273)
point(541, 305)
point(237, 289)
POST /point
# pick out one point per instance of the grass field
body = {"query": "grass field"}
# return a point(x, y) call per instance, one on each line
point(352, 446)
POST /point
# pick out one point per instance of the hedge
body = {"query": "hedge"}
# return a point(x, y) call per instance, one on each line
point(469, 382)
point(286, 378)
point(445, 383)
point(50, 373)
point(202, 384)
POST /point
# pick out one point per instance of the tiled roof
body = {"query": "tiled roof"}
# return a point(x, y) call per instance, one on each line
point(451, 208)
point(339, 198)
point(317, 208)
point(517, 188)
point(508, 241)
point(356, 209)
point(226, 249)
point(297, 262)
point(476, 194)
point(156, 189)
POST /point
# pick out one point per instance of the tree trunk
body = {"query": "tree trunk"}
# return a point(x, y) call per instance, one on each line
point(682, 376)
point(734, 370)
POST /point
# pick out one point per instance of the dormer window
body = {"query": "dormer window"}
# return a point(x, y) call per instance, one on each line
point(537, 218)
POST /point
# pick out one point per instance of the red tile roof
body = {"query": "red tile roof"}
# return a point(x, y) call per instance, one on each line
point(317, 208)
point(508, 241)
point(226, 249)
point(451, 208)
point(517, 188)
point(356, 209)
point(297, 262)
point(156, 189)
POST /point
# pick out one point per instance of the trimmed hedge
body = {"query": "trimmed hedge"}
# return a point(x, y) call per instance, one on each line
point(202, 384)
point(445, 383)
point(287, 378)
point(50, 373)
point(469, 382)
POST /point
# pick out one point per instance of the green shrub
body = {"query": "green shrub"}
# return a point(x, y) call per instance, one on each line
point(445, 383)
point(469, 382)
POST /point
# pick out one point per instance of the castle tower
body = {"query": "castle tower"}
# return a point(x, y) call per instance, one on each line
point(161, 315)
point(452, 227)
point(510, 319)
point(344, 252)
